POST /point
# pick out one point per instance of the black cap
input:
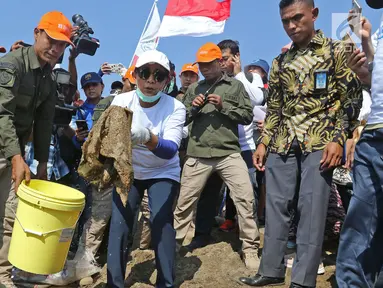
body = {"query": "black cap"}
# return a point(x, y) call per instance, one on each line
point(117, 85)
point(375, 4)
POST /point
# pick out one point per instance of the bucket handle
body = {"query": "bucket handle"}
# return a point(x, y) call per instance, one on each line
point(48, 232)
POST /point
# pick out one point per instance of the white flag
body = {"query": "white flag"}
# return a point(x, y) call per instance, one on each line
point(149, 38)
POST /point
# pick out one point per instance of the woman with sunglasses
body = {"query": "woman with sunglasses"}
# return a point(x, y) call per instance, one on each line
point(157, 125)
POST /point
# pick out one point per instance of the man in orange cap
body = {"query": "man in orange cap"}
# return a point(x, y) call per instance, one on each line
point(129, 80)
point(215, 107)
point(27, 102)
point(188, 76)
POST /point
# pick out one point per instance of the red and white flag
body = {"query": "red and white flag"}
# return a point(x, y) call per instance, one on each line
point(194, 18)
point(149, 38)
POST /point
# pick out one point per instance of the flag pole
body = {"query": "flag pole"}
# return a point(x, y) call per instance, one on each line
point(145, 27)
point(158, 42)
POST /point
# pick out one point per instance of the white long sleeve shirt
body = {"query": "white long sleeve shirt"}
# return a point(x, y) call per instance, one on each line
point(254, 89)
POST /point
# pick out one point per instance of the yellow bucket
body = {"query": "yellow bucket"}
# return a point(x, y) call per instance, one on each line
point(46, 218)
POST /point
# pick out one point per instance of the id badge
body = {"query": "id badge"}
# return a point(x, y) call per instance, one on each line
point(321, 79)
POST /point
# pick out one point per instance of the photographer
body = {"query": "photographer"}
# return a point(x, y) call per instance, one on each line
point(57, 170)
point(27, 100)
point(99, 202)
point(93, 87)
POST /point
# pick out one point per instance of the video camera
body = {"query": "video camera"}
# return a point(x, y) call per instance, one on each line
point(65, 92)
point(83, 42)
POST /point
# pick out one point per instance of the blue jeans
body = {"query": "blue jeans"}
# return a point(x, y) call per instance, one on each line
point(360, 254)
point(162, 193)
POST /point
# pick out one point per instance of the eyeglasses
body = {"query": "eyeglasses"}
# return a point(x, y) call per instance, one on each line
point(158, 75)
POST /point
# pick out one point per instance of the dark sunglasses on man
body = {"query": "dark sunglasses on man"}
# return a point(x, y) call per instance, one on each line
point(158, 74)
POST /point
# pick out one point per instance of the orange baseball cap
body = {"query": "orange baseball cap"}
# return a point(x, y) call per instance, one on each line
point(190, 67)
point(208, 53)
point(57, 26)
point(129, 75)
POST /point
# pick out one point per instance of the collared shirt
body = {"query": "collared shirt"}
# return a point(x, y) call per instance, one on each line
point(253, 85)
point(27, 100)
point(56, 164)
point(295, 109)
point(214, 133)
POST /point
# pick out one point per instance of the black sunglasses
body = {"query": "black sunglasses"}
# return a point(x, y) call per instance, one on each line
point(158, 75)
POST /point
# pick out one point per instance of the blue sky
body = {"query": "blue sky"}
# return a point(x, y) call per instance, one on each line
point(118, 24)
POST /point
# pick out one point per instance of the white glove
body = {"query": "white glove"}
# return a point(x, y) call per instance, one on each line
point(140, 135)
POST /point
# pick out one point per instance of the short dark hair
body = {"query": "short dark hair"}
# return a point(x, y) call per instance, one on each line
point(117, 85)
point(229, 44)
point(286, 3)
point(172, 66)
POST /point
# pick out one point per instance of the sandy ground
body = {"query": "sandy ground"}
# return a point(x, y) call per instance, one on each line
point(217, 265)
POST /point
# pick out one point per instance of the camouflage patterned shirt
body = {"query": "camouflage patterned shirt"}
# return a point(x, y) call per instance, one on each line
point(297, 108)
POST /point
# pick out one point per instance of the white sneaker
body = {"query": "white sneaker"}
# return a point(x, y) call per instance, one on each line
point(321, 269)
point(289, 261)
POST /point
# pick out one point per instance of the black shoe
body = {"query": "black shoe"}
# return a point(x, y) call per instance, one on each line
point(199, 242)
point(259, 281)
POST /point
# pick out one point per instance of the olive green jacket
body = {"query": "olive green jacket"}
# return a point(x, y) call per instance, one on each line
point(214, 133)
point(27, 100)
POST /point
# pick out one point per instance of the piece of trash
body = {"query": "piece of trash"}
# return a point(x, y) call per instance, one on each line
point(82, 266)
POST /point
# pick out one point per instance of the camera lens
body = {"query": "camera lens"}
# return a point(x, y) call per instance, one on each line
point(78, 19)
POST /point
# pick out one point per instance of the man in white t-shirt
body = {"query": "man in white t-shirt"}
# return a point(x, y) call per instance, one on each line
point(360, 251)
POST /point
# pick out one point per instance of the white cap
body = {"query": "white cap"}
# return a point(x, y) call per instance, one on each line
point(153, 56)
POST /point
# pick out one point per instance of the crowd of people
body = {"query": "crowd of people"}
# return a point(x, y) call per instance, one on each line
point(293, 147)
